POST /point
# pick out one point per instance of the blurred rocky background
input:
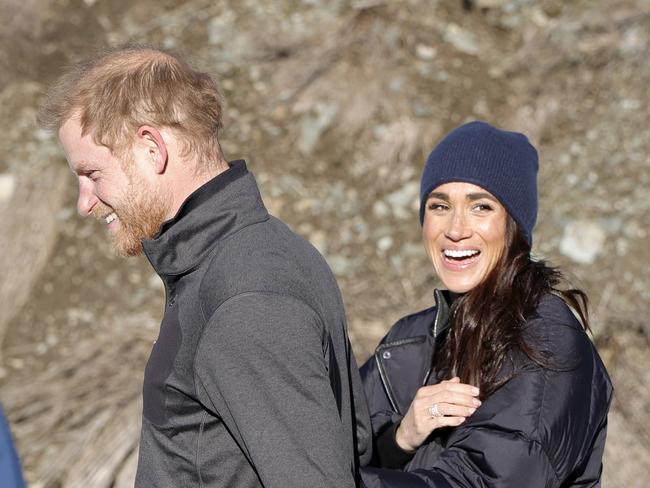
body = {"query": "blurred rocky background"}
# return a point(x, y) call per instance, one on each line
point(334, 104)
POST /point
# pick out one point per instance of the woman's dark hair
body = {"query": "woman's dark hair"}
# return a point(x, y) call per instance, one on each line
point(487, 321)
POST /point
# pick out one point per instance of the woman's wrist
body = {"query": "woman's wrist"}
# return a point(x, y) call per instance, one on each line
point(389, 453)
point(401, 441)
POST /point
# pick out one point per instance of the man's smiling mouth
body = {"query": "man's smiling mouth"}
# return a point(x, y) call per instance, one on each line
point(110, 217)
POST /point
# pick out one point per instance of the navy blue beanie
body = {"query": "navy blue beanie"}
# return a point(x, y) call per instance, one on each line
point(503, 163)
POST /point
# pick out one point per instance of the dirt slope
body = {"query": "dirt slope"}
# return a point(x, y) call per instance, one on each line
point(335, 105)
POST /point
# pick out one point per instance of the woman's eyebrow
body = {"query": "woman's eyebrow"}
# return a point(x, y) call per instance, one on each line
point(439, 195)
point(477, 196)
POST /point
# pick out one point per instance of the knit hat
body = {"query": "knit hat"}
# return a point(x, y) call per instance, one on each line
point(503, 163)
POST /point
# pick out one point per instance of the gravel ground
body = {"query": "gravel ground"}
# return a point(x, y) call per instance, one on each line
point(334, 104)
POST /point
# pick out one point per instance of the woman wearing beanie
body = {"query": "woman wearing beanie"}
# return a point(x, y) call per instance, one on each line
point(498, 383)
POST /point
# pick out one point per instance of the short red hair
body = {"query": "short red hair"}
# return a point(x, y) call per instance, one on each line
point(123, 89)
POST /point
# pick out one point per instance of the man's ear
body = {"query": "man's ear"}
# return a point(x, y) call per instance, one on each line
point(155, 146)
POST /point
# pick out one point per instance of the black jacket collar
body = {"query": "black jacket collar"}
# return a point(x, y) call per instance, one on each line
point(224, 205)
point(444, 299)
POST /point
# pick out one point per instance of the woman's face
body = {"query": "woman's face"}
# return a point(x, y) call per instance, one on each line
point(464, 233)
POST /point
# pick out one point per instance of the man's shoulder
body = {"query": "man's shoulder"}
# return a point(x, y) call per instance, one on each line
point(270, 239)
point(264, 257)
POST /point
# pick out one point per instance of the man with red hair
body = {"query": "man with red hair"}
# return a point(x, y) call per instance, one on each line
point(252, 381)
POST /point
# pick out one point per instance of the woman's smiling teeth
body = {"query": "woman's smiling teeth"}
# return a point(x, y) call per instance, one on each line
point(460, 253)
point(110, 217)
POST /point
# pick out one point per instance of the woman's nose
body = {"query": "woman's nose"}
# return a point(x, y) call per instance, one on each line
point(458, 227)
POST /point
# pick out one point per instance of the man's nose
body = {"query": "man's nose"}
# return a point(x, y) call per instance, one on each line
point(458, 226)
point(86, 200)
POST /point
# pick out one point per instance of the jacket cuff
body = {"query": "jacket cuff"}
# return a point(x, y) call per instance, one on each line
point(390, 454)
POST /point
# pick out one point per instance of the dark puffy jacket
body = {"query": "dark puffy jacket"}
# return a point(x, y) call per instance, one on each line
point(543, 428)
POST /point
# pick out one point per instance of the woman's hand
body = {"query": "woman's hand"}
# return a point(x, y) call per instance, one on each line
point(446, 404)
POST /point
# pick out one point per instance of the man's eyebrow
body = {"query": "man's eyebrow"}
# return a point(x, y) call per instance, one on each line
point(81, 167)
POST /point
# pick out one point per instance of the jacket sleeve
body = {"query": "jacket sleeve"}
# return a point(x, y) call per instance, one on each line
point(479, 458)
point(593, 467)
point(261, 366)
point(389, 453)
point(362, 416)
point(494, 447)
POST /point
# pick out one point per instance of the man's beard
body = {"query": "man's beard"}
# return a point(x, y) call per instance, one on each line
point(140, 215)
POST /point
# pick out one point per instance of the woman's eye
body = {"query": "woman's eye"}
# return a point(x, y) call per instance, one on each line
point(436, 206)
point(482, 207)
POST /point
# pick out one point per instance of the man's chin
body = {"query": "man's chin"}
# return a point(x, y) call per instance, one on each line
point(128, 252)
point(126, 247)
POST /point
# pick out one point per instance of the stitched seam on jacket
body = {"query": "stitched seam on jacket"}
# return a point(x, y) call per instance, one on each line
point(198, 449)
point(545, 372)
point(246, 454)
point(386, 384)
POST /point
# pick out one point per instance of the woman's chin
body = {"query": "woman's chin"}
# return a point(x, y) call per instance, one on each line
point(456, 285)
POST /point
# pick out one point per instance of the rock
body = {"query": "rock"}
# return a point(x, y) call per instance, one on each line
point(582, 241)
point(235, 45)
point(421, 110)
point(461, 39)
point(314, 124)
point(319, 240)
point(155, 282)
point(385, 243)
point(404, 201)
point(490, 3)
point(340, 265)
point(612, 225)
point(396, 84)
point(424, 52)
point(630, 104)
point(380, 209)
point(392, 36)
point(633, 41)
point(634, 230)
point(7, 186)
point(481, 108)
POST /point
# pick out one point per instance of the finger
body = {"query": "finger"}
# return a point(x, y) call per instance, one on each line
point(461, 388)
point(447, 385)
point(450, 406)
point(452, 410)
point(444, 410)
point(455, 398)
point(447, 397)
point(449, 421)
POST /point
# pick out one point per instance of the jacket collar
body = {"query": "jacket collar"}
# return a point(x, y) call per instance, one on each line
point(417, 352)
point(219, 208)
point(443, 300)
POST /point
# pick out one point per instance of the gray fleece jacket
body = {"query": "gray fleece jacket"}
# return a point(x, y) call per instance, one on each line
point(252, 381)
